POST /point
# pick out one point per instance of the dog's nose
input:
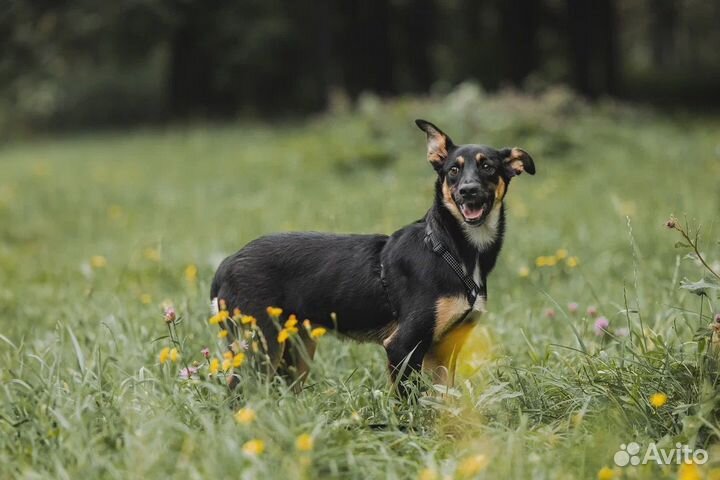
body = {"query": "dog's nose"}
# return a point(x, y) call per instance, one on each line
point(470, 190)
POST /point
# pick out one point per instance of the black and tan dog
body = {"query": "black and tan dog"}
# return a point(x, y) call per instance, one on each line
point(417, 292)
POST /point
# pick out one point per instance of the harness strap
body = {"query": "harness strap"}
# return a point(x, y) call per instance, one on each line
point(472, 289)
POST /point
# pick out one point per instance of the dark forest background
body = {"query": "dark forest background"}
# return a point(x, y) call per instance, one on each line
point(84, 63)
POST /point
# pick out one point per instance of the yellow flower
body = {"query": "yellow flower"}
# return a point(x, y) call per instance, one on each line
point(551, 261)
point(304, 442)
point(245, 319)
point(145, 298)
point(98, 261)
point(561, 254)
point(572, 262)
point(307, 324)
point(524, 272)
point(283, 335)
point(226, 364)
point(291, 321)
point(541, 261)
point(151, 254)
point(274, 311)
point(689, 471)
point(191, 273)
point(174, 355)
point(658, 399)
point(471, 466)
point(214, 366)
point(237, 314)
point(228, 355)
point(222, 333)
point(238, 360)
point(164, 354)
point(254, 447)
point(428, 474)
point(318, 332)
point(606, 473)
point(245, 416)
point(221, 316)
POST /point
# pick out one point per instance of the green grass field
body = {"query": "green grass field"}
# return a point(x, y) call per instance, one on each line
point(98, 230)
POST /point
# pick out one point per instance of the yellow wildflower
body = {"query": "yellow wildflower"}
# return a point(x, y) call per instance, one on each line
point(471, 466)
point(164, 354)
point(245, 319)
point(307, 324)
point(245, 416)
point(318, 332)
point(226, 364)
point(541, 261)
point(174, 355)
point(689, 471)
point(238, 360)
point(561, 254)
point(220, 317)
point(237, 314)
point(191, 273)
point(274, 311)
point(283, 335)
point(606, 473)
point(551, 261)
point(145, 298)
point(658, 399)
point(524, 272)
point(228, 355)
point(98, 261)
point(254, 447)
point(572, 262)
point(214, 366)
point(291, 321)
point(304, 442)
point(152, 254)
point(222, 333)
point(428, 474)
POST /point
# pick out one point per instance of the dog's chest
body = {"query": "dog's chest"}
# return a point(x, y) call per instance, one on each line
point(450, 311)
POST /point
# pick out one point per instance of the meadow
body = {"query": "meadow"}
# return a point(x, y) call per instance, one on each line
point(597, 333)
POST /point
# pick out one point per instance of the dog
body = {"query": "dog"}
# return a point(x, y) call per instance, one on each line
point(417, 292)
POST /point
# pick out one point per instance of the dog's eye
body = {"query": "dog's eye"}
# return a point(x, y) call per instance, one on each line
point(453, 171)
point(488, 168)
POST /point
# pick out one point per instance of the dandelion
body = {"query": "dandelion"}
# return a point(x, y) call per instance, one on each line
point(318, 332)
point(228, 355)
point(245, 416)
point(248, 319)
point(254, 447)
point(151, 254)
point(550, 313)
point(205, 352)
point(238, 360)
point(523, 272)
point(573, 307)
point(145, 298)
point(170, 315)
point(191, 273)
point(214, 366)
point(187, 373)
point(541, 261)
point(471, 466)
point(428, 474)
point(561, 254)
point(291, 321)
point(220, 317)
point(601, 326)
point(592, 311)
point(222, 334)
point(658, 399)
point(226, 364)
point(572, 262)
point(283, 335)
point(606, 473)
point(274, 311)
point(304, 442)
point(98, 261)
point(689, 471)
point(174, 355)
point(164, 354)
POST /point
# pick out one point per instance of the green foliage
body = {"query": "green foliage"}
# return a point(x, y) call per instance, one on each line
point(99, 230)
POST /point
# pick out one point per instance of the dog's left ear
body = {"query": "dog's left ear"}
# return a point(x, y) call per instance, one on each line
point(517, 161)
point(438, 144)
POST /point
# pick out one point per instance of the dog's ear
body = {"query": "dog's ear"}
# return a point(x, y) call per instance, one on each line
point(517, 161)
point(438, 144)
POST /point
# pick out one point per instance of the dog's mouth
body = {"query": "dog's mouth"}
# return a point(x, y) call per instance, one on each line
point(473, 212)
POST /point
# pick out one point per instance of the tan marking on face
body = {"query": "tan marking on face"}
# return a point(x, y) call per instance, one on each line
point(450, 203)
point(437, 149)
point(460, 161)
point(499, 193)
point(480, 157)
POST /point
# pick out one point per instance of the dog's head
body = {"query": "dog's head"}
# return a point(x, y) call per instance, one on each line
point(474, 178)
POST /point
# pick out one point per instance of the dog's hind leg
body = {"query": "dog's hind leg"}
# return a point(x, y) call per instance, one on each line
point(406, 347)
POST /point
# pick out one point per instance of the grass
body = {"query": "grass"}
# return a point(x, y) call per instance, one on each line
point(98, 230)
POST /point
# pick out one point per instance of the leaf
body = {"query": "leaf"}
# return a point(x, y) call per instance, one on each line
point(701, 287)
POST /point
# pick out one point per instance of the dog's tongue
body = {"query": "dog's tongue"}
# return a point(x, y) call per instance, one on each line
point(471, 213)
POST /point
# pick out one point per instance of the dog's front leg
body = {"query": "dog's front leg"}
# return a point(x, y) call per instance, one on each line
point(406, 347)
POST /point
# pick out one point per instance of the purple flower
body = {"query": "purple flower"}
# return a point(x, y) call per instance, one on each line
point(550, 313)
point(573, 307)
point(592, 311)
point(205, 352)
point(188, 372)
point(601, 326)
point(170, 315)
point(622, 332)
